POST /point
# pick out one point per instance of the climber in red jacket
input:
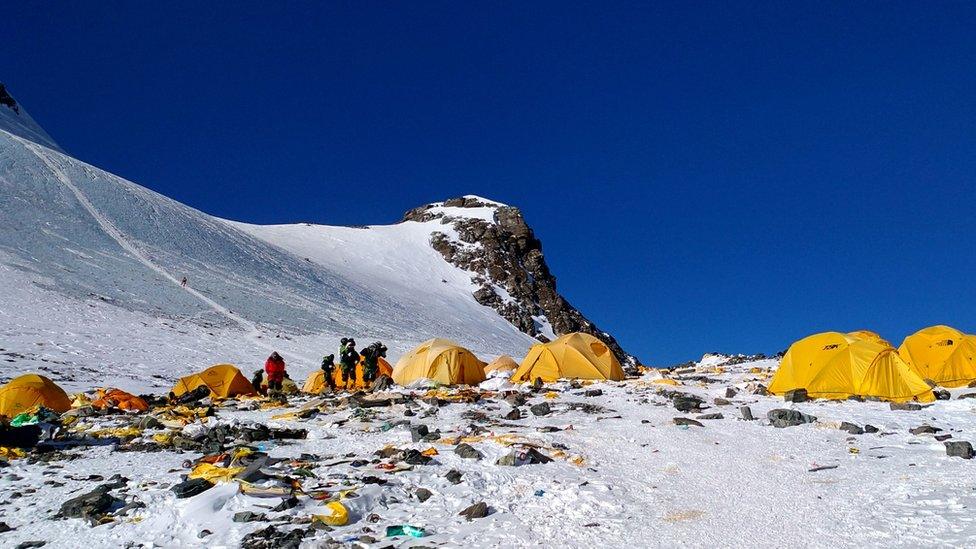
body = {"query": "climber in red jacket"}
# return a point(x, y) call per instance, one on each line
point(275, 370)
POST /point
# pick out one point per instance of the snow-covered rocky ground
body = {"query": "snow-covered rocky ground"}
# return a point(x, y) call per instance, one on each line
point(624, 475)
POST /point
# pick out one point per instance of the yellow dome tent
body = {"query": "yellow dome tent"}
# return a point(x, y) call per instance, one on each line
point(439, 360)
point(224, 381)
point(315, 382)
point(941, 354)
point(503, 363)
point(833, 365)
point(27, 391)
point(573, 356)
point(868, 335)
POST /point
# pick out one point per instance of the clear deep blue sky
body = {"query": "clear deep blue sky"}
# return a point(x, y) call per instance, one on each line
point(704, 176)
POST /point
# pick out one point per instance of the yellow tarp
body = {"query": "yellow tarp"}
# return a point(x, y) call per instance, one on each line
point(224, 381)
point(941, 354)
point(27, 391)
point(572, 356)
point(833, 365)
point(315, 382)
point(440, 360)
point(214, 473)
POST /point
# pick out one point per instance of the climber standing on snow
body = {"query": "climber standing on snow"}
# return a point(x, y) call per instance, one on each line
point(183, 282)
point(274, 367)
point(348, 358)
point(371, 359)
point(328, 371)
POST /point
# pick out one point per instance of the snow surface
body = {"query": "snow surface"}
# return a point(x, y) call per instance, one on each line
point(642, 481)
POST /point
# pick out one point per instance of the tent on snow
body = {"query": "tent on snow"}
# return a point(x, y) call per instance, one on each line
point(941, 354)
point(870, 336)
point(315, 382)
point(574, 356)
point(833, 365)
point(439, 360)
point(503, 363)
point(29, 390)
point(224, 381)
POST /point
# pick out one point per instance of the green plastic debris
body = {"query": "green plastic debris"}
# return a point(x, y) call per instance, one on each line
point(405, 530)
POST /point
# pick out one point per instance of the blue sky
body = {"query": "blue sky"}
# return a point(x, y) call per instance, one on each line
point(704, 176)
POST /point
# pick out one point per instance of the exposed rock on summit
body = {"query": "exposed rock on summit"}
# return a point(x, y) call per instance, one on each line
point(494, 243)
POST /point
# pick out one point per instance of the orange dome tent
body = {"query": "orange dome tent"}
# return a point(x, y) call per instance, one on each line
point(27, 391)
point(224, 381)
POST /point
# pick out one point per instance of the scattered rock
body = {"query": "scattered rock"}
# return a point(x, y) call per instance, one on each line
point(746, 413)
point(381, 383)
point(541, 409)
point(959, 448)
point(710, 416)
point(414, 457)
point(730, 392)
point(453, 476)
point(423, 494)
point(516, 458)
point(687, 403)
point(204, 534)
point(687, 421)
point(467, 451)
point(248, 516)
point(941, 394)
point(515, 399)
point(924, 430)
point(781, 417)
point(4, 527)
point(851, 428)
point(513, 414)
point(31, 544)
point(593, 392)
point(286, 504)
point(966, 395)
point(272, 538)
point(91, 506)
point(721, 401)
point(478, 510)
point(149, 422)
point(796, 395)
point(942, 438)
point(868, 428)
point(418, 432)
point(906, 406)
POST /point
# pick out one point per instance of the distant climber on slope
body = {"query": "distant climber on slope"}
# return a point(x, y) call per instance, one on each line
point(371, 358)
point(183, 282)
point(274, 367)
point(348, 358)
point(328, 371)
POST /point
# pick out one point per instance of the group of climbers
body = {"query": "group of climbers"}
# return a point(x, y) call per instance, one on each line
point(269, 380)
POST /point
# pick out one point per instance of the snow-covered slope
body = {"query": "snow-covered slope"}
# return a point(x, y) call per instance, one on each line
point(15, 120)
point(72, 233)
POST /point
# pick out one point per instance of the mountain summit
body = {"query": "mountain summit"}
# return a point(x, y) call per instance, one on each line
point(89, 251)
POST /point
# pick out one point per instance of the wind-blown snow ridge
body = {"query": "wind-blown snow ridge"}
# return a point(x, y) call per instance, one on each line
point(14, 119)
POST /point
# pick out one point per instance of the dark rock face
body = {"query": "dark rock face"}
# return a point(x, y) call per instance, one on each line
point(960, 448)
point(781, 417)
point(505, 253)
point(7, 100)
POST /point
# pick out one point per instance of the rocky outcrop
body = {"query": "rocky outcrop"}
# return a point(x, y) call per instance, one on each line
point(498, 247)
point(8, 100)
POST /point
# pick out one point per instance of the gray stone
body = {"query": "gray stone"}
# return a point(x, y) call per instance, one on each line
point(467, 451)
point(796, 395)
point(966, 395)
point(781, 417)
point(868, 428)
point(687, 421)
point(418, 432)
point(423, 494)
point(721, 401)
point(149, 422)
point(906, 406)
point(746, 413)
point(248, 516)
point(730, 392)
point(541, 409)
point(513, 414)
point(959, 448)
point(941, 394)
point(593, 392)
point(924, 430)
point(851, 428)
point(687, 403)
point(710, 416)
point(91, 506)
point(453, 476)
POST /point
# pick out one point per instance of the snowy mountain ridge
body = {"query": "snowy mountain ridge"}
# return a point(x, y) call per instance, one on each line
point(72, 234)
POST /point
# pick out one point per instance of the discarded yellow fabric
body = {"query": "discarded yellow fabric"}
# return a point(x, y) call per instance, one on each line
point(941, 354)
point(336, 515)
point(572, 356)
point(11, 453)
point(214, 473)
point(665, 381)
point(833, 365)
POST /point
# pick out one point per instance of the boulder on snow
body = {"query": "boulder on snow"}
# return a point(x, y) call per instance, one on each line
point(851, 428)
point(781, 417)
point(687, 403)
point(959, 448)
point(924, 430)
point(513, 414)
point(466, 451)
point(423, 494)
point(906, 406)
point(746, 413)
point(541, 409)
point(418, 432)
point(91, 506)
point(530, 456)
point(478, 510)
point(192, 487)
point(796, 395)
point(683, 421)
